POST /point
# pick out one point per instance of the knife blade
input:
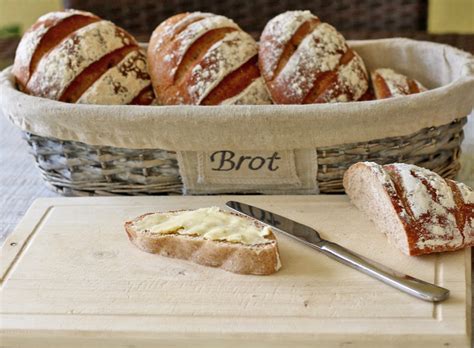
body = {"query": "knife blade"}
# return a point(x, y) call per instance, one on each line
point(310, 237)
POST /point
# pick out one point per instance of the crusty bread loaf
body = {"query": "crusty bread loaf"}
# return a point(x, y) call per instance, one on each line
point(74, 56)
point(418, 210)
point(260, 258)
point(305, 61)
point(204, 59)
point(388, 83)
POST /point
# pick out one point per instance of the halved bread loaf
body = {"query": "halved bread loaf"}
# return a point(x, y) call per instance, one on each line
point(210, 237)
point(418, 210)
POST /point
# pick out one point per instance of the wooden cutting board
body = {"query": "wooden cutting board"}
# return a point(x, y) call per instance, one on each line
point(71, 278)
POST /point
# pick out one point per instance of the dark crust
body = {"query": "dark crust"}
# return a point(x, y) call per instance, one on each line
point(61, 27)
point(172, 77)
point(234, 83)
point(145, 97)
point(93, 72)
point(305, 29)
point(382, 91)
point(464, 213)
point(415, 228)
point(325, 85)
point(368, 95)
point(258, 259)
point(380, 87)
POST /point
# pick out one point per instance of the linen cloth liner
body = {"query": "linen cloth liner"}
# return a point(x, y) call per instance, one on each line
point(191, 130)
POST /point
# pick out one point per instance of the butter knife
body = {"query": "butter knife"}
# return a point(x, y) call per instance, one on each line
point(311, 238)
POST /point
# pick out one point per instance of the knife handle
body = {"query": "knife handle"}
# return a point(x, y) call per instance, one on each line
point(403, 282)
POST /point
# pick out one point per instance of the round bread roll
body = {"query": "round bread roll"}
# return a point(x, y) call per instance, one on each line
point(305, 61)
point(204, 59)
point(388, 83)
point(76, 57)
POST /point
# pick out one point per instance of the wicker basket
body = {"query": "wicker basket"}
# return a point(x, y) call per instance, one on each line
point(75, 168)
point(79, 168)
point(83, 164)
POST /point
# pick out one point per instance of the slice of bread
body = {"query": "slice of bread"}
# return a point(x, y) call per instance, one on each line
point(210, 237)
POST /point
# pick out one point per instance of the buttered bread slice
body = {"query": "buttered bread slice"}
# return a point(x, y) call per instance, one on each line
point(210, 237)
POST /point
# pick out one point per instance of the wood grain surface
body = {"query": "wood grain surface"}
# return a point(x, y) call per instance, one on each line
point(21, 184)
point(70, 266)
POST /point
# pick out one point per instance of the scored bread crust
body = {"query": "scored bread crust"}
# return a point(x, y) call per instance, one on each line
point(31, 41)
point(389, 83)
point(204, 59)
point(305, 61)
point(390, 196)
point(258, 259)
point(76, 57)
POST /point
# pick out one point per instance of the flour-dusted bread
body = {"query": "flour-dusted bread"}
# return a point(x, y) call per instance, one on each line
point(418, 210)
point(210, 237)
point(75, 57)
point(305, 61)
point(204, 59)
point(388, 83)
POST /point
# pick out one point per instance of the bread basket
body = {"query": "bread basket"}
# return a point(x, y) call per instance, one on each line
point(90, 149)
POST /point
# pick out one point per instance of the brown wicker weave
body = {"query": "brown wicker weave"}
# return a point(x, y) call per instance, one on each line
point(140, 17)
point(75, 168)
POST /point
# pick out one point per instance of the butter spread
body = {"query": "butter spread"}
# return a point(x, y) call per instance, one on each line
point(208, 223)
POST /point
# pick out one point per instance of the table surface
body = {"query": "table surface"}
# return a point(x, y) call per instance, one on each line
point(148, 298)
point(21, 182)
